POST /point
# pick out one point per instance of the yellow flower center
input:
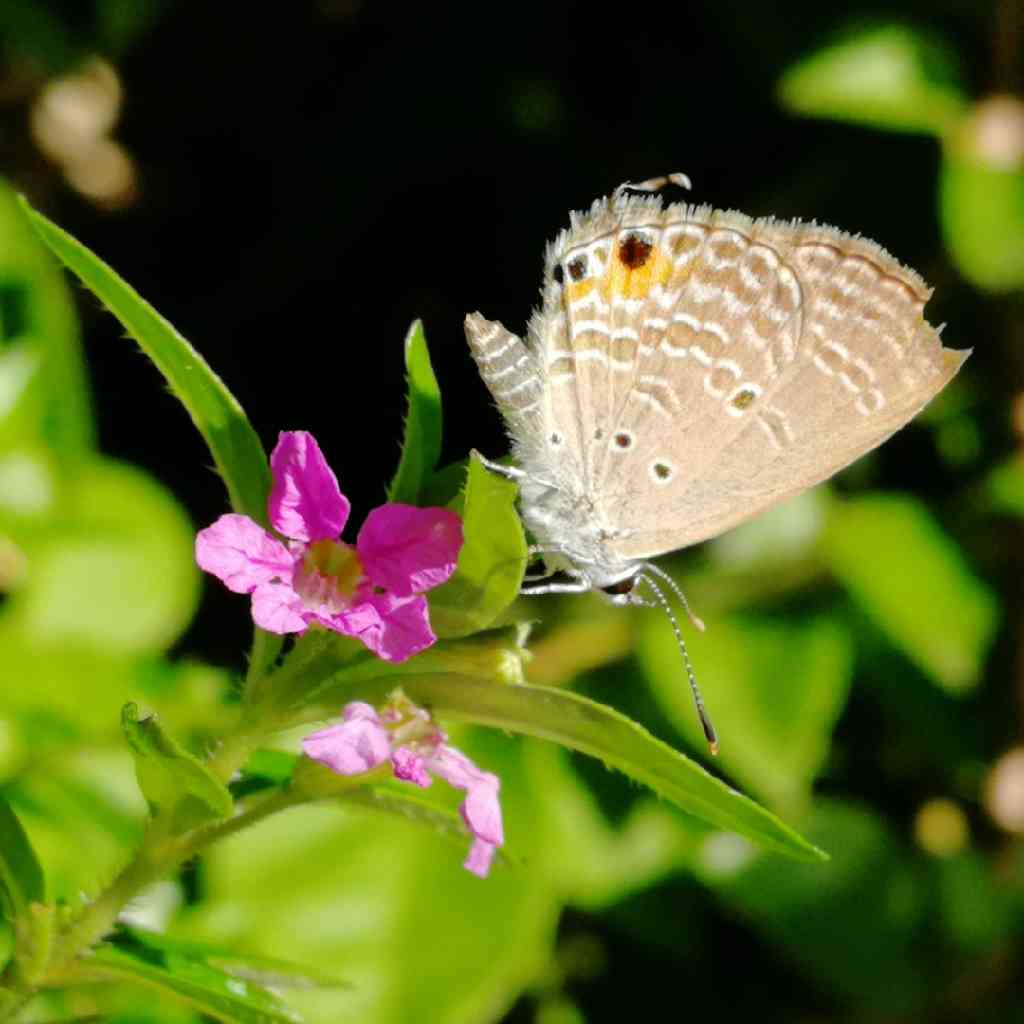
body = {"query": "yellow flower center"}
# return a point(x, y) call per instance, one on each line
point(330, 575)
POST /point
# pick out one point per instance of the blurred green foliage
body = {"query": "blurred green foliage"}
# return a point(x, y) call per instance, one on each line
point(903, 79)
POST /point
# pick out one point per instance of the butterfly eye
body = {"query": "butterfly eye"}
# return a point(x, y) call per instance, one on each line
point(622, 587)
point(555, 438)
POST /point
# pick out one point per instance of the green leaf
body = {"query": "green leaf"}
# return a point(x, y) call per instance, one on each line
point(174, 782)
point(21, 877)
point(491, 562)
point(212, 992)
point(600, 731)
point(600, 863)
point(444, 486)
point(265, 769)
point(913, 582)
point(890, 77)
point(38, 322)
point(496, 655)
point(263, 970)
point(236, 449)
point(981, 208)
point(773, 690)
point(422, 445)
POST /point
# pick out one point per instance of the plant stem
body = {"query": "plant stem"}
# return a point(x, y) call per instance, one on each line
point(100, 916)
point(156, 858)
point(234, 750)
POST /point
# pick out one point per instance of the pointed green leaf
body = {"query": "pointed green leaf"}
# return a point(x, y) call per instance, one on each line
point(174, 782)
point(604, 733)
point(212, 992)
point(774, 691)
point(37, 318)
point(913, 582)
point(491, 562)
point(421, 447)
point(21, 877)
point(890, 77)
point(236, 449)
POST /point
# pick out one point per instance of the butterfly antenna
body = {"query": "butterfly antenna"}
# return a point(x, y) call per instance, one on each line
point(705, 721)
point(698, 622)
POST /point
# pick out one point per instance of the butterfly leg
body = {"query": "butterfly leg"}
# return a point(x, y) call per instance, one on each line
point(548, 571)
point(577, 586)
point(508, 472)
point(535, 577)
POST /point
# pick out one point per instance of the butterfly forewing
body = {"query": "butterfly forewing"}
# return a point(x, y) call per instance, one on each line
point(865, 363)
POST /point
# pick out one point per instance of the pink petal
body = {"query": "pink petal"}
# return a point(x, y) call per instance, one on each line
point(355, 621)
point(410, 767)
point(278, 609)
point(403, 630)
point(242, 554)
point(305, 502)
point(408, 550)
point(355, 746)
point(481, 810)
point(356, 710)
point(481, 853)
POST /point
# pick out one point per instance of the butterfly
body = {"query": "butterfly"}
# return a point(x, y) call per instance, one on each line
point(688, 368)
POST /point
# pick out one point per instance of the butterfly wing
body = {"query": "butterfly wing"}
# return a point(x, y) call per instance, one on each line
point(804, 349)
point(724, 364)
point(510, 371)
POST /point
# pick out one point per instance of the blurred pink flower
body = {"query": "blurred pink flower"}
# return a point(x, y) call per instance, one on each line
point(372, 591)
point(417, 749)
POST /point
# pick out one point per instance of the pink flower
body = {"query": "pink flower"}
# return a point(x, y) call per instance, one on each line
point(372, 591)
point(417, 749)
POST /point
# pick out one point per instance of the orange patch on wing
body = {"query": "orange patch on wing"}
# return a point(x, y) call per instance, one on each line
point(623, 282)
point(576, 290)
